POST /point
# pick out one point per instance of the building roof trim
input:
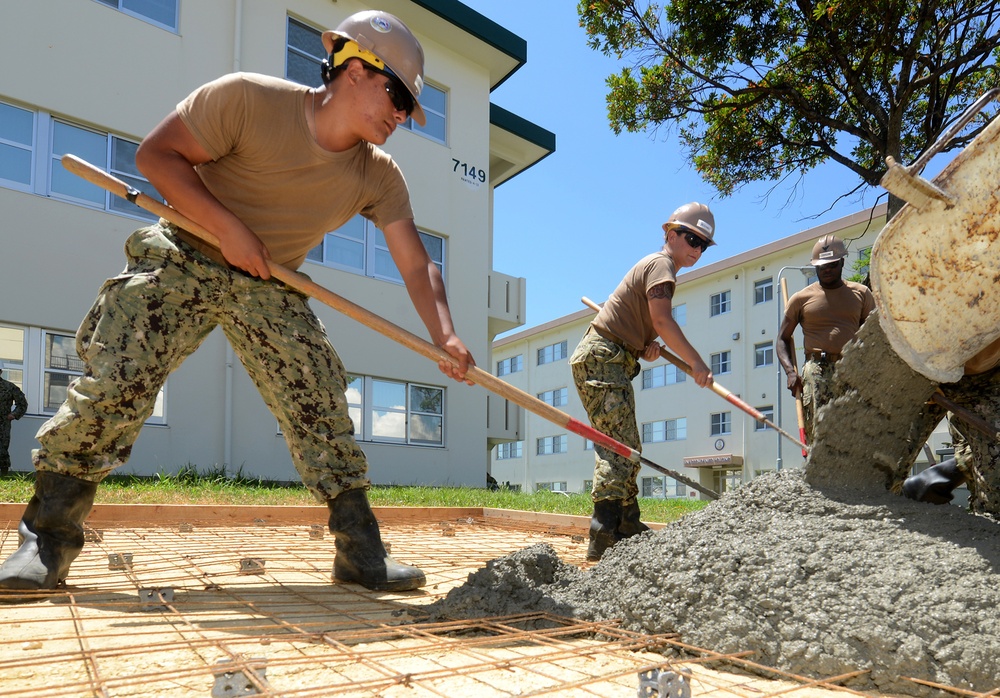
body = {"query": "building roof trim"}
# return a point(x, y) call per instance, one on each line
point(482, 28)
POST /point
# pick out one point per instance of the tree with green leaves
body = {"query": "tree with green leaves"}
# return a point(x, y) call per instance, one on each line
point(765, 90)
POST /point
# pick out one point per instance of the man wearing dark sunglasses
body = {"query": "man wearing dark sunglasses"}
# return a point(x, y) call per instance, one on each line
point(607, 359)
point(830, 312)
point(269, 167)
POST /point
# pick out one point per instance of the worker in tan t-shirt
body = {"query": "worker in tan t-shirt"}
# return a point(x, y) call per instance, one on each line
point(269, 167)
point(607, 359)
point(830, 312)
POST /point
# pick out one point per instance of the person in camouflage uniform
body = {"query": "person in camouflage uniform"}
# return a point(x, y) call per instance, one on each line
point(830, 312)
point(606, 360)
point(269, 167)
point(13, 405)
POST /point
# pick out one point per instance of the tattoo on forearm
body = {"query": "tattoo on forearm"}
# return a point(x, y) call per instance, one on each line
point(664, 290)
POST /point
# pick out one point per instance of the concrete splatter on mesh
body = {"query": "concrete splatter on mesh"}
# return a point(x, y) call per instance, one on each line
point(818, 583)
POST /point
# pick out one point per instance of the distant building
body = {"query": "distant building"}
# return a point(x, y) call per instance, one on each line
point(730, 311)
point(92, 78)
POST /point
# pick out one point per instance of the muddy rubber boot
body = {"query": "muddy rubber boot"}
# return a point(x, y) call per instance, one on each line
point(630, 524)
point(936, 484)
point(604, 527)
point(50, 532)
point(361, 556)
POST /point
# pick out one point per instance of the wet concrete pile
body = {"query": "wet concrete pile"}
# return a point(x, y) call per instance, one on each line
point(820, 573)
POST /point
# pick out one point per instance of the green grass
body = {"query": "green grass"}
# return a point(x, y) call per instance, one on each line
point(188, 486)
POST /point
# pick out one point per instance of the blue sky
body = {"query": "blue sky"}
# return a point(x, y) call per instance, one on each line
point(573, 224)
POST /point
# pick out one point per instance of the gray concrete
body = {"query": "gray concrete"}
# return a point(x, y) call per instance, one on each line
point(818, 583)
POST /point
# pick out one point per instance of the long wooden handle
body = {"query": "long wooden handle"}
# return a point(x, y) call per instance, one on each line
point(305, 285)
point(716, 388)
point(800, 411)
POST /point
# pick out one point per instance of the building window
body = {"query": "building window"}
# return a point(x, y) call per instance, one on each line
point(763, 354)
point(551, 487)
point(763, 291)
point(46, 378)
point(662, 487)
point(721, 362)
point(304, 53)
point(768, 412)
point(556, 398)
point(435, 104)
point(721, 423)
point(659, 376)
point(396, 412)
point(653, 487)
point(588, 485)
point(553, 352)
point(666, 430)
point(514, 364)
point(12, 354)
point(30, 139)
point(588, 445)
point(162, 13)
point(511, 449)
point(680, 314)
point(17, 146)
point(548, 445)
point(92, 146)
point(359, 247)
point(720, 303)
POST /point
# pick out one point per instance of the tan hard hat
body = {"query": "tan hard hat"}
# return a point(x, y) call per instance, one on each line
point(694, 217)
point(828, 249)
point(384, 38)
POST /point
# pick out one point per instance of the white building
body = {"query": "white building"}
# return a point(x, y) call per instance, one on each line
point(92, 77)
point(730, 311)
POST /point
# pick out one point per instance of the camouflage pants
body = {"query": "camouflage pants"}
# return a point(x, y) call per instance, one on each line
point(603, 373)
point(4, 443)
point(978, 455)
point(817, 382)
point(153, 315)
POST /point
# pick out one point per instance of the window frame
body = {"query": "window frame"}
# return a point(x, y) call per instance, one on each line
point(763, 354)
point(551, 353)
point(720, 303)
point(557, 397)
point(47, 169)
point(510, 450)
point(649, 431)
point(551, 445)
point(763, 291)
point(768, 412)
point(720, 423)
point(119, 6)
point(373, 250)
point(662, 376)
point(721, 362)
point(512, 364)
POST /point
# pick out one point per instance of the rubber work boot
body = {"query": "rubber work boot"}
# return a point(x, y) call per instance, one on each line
point(50, 532)
point(604, 527)
point(936, 484)
point(630, 524)
point(361, 556)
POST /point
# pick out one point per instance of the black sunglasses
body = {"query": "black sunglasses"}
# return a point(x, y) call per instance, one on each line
point(400, 97)
point(694, 240)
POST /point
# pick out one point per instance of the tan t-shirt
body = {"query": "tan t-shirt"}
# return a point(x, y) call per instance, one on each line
point(625, 315)
point(830, 317)
point(269, 171)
